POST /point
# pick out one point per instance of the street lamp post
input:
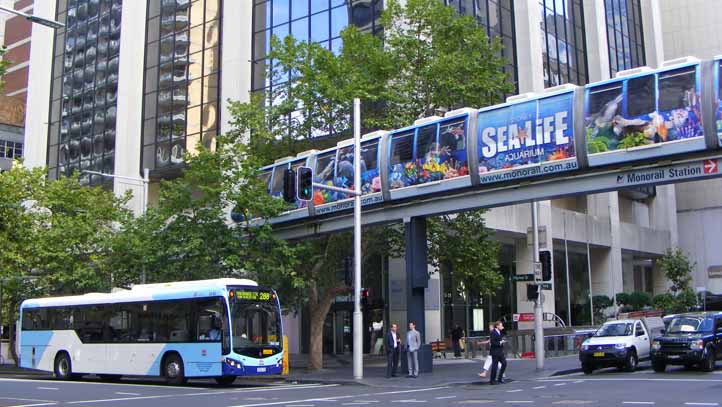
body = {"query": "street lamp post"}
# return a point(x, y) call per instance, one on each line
point(35, 19)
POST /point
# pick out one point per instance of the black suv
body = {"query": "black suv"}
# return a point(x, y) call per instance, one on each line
point(690, 339)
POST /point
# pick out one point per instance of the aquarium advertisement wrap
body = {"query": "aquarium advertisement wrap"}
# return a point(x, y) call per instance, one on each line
point(718, 100)
point(527, 139)
point(612, 126)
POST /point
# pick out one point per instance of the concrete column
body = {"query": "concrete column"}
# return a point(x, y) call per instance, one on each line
point(417, 273)
point(236, 56)
point(37, 118)
point(129, 123)
point(527, 24)
point(615, 281)
point(663, 212)
point(595, 28)
point(652, 31)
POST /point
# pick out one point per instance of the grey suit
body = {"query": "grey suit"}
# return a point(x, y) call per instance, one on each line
point(413, 343)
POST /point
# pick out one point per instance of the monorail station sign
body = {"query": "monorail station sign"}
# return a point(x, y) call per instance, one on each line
point(676, 173)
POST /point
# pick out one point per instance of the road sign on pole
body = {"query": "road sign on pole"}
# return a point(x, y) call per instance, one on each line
point(522, 277)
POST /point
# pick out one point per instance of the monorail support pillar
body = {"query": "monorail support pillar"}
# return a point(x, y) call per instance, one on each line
point(417, 272)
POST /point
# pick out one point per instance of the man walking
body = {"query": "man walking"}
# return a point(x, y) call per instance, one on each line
point(413, 343)
point(497, 353)
point(456, 334)
point(392, 345)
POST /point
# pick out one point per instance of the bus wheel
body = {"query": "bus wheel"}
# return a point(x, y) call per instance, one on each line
point(225, 380)
point(173, 370)
point(109, 377)
point(63, 369)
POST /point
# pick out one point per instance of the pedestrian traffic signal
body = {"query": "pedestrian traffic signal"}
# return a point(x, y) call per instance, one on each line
point(532, 292)
point(545, 258)
point(305, 184)
point(289, 185)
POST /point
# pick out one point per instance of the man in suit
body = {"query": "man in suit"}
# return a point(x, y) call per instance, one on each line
point(413, 343)
point(497, 353)
point(393, 346)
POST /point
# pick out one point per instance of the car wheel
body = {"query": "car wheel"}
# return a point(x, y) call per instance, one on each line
point(587, 368)
point(173, 370)
point(659, 367)
point(225, 380)
point(63, 369)
point(630, 363)
point(708, 364)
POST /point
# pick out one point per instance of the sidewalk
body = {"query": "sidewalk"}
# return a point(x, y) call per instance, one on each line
point(446, 372)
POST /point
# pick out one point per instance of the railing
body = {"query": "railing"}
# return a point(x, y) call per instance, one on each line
point(522, 345)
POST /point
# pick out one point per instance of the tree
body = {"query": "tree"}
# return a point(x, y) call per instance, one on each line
point(677, 267)
point(3, 64)
point(439, 61)
point(54, 233)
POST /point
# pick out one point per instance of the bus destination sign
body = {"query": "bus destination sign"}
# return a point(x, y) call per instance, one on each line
point(252, 295)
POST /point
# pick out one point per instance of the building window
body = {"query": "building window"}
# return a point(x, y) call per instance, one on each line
point(497, 18)
point(563, 43)
point(81, 134)
point(10, 149)
point(182, 68)
point(319, 21)
point(624, 34)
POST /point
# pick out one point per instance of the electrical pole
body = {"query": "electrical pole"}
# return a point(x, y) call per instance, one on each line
point(538, 309)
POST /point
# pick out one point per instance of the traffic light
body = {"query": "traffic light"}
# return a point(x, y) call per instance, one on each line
point(289, 185)
point(545, 258)
point(348, 270)
point(532, 292)
point(305, 184)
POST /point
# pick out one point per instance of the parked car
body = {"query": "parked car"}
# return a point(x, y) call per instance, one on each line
point(691, 339)
point(619, 343)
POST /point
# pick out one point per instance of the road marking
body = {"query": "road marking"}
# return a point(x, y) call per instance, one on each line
point(540, 387)
point(33, 405)
point(638, 402)
point(301, 405)
point(81, 382)
point(337, 398)
point(445, 397)
point(560, 384)
point(47, 388)
point(701, 404)
point(476, 401)
point(165, 396)
point(514, 391)
point(123, 393)
point(19, 399)
point(408, 401)
point(578, 381)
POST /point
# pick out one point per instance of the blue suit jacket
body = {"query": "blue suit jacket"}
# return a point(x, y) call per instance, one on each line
point(389, 342)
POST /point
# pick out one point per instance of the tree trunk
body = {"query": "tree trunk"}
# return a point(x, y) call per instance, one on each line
point(12, 317)
point(319, 308)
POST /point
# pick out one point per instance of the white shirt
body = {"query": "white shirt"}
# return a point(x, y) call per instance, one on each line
point(396, 342)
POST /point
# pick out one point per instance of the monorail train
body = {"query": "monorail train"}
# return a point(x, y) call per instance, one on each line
point(642, 115)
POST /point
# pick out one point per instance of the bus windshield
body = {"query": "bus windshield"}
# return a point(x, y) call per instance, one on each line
point(255, 321)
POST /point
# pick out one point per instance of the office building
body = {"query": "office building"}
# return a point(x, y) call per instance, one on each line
point(123, 88)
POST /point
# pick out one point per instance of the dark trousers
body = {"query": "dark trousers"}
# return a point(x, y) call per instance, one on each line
point(497, 356)
point(392, 362)
point(457, 347)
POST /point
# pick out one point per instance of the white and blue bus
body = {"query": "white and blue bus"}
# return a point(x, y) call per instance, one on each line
point(220, 329)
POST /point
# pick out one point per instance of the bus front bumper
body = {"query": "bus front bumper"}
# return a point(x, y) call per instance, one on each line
point(232, 367)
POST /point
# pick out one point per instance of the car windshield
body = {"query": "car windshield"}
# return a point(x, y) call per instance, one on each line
point(690, 324)
point(615, 329)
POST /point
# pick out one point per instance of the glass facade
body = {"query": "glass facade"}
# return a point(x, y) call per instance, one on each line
point(497, 18)
point(319, 21)
point(563, 42)
point(182, 68)
point(624, 34)
point(573, 259)
point(81, 133)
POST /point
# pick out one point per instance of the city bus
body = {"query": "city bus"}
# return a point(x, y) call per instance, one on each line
point(219, 329)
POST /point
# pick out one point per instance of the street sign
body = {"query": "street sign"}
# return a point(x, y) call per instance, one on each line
point(546, 286)
point(523, 317)
point(710, 166)
point(522, 277)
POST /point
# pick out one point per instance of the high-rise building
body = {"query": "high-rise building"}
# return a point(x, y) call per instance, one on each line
point(123, 88)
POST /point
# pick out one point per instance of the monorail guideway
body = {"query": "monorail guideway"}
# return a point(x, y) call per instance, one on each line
point(644, 127)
